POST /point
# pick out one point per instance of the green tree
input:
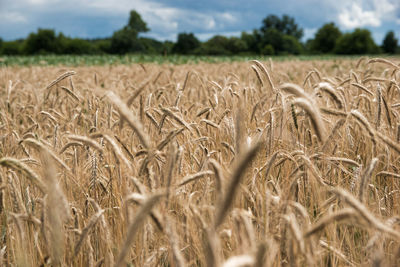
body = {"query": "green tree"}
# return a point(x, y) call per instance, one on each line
point(291, 45)
point(252, 41)
point(126, 40)
point(358, 42)
point(283, 34)
point(78, 46)
point(43, 42)
point(152, 46)
point(268, 50)
point(325, 38)
point(389, 44)
point(217, 45)
point(136, 24)
point(273, 38)
point(286, 25)
point(102, 46)
point(167, 47)
point(187, 43)
point(236, 45)
point(12, 48)
point(222, 45)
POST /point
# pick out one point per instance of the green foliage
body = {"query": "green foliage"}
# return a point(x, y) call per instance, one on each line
point(136, 24)
point(325, 39)
point(107, 59)
point(217, 45)
point(236, 45)
point(102, 46)
point(252, 41)
point(222, 45)
point(167, 47)
point(12, 48)
point(78, 47)
point(43, 42)
point(389, 44)
point(286, 26)
point(291, 45)
point(282, 35)
point(273, 38)
point(152, 46)
point(276, 36)
point(268, 50)
point(355, 43)
point(186, 44)
point(126, 40)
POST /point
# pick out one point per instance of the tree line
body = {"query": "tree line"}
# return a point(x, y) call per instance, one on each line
point(276, 36)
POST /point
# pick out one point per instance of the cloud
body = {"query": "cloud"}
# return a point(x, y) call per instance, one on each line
point(13, 17)
point(228, 17)
point(357, 17)
point(167, 18)
point(367, 13)
point(167, 21)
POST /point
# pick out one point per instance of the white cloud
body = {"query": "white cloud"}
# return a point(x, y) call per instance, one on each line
point(210, 23)
point(367, 13)
point(13, 17)
point(164, 18)
point(208, 35)
point(357, 17)
point(42, 2)
point(228, 17)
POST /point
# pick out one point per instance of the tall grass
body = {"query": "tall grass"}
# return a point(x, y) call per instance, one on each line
point(231, 164)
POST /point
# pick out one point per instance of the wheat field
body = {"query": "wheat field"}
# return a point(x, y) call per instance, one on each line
point(231, 164)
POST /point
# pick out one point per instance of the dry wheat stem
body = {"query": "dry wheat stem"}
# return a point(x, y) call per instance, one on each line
point(127, 115)
point(41, 146)
point(17, 165)
point(366, 176)
point(364, 213)
point(85, 231)
point(338, 216)
point(315, 117)
point(137, 221)
point(243, 162)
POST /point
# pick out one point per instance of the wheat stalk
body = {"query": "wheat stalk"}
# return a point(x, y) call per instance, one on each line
point(366, 176)
point(315, 117)
point(127, 115)
point(364, 213)
point(137, 221)
point(245, 159)
point(17, 165)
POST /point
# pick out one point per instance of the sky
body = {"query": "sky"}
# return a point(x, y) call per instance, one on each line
point(205, 18)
